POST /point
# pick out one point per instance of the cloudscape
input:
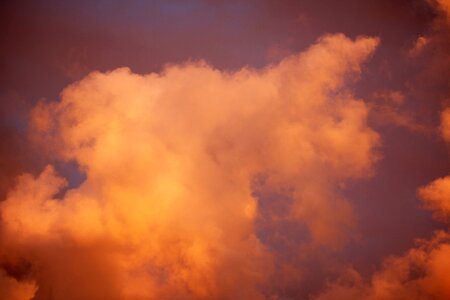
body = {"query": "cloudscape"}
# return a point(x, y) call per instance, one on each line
point(267, 150)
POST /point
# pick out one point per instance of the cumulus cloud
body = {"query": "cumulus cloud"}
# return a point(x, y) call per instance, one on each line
point(436, 196)
point(168, 206)
point(423, 271)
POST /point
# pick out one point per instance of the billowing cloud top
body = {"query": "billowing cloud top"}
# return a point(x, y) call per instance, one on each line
point(167, 209)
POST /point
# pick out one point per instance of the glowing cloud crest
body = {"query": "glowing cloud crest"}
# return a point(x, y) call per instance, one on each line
point(167, 210)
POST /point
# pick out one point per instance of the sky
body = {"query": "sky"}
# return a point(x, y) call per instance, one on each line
point(225, 149)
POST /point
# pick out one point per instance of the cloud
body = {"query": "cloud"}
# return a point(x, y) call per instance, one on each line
point(436, 197)
point(168, 207)
point(430, 54)
point(387, 111)
point(444, 7)
point(420, 273)
point(445, 124)
point(14, 290)
point(419, 46)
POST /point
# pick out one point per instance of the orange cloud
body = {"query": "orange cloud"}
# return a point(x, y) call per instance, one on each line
point(436, 196)
point(423, 272)
point(387, 111)
point(13, 289)
point(167, 209)
point(445, 124)
point(444, 6)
